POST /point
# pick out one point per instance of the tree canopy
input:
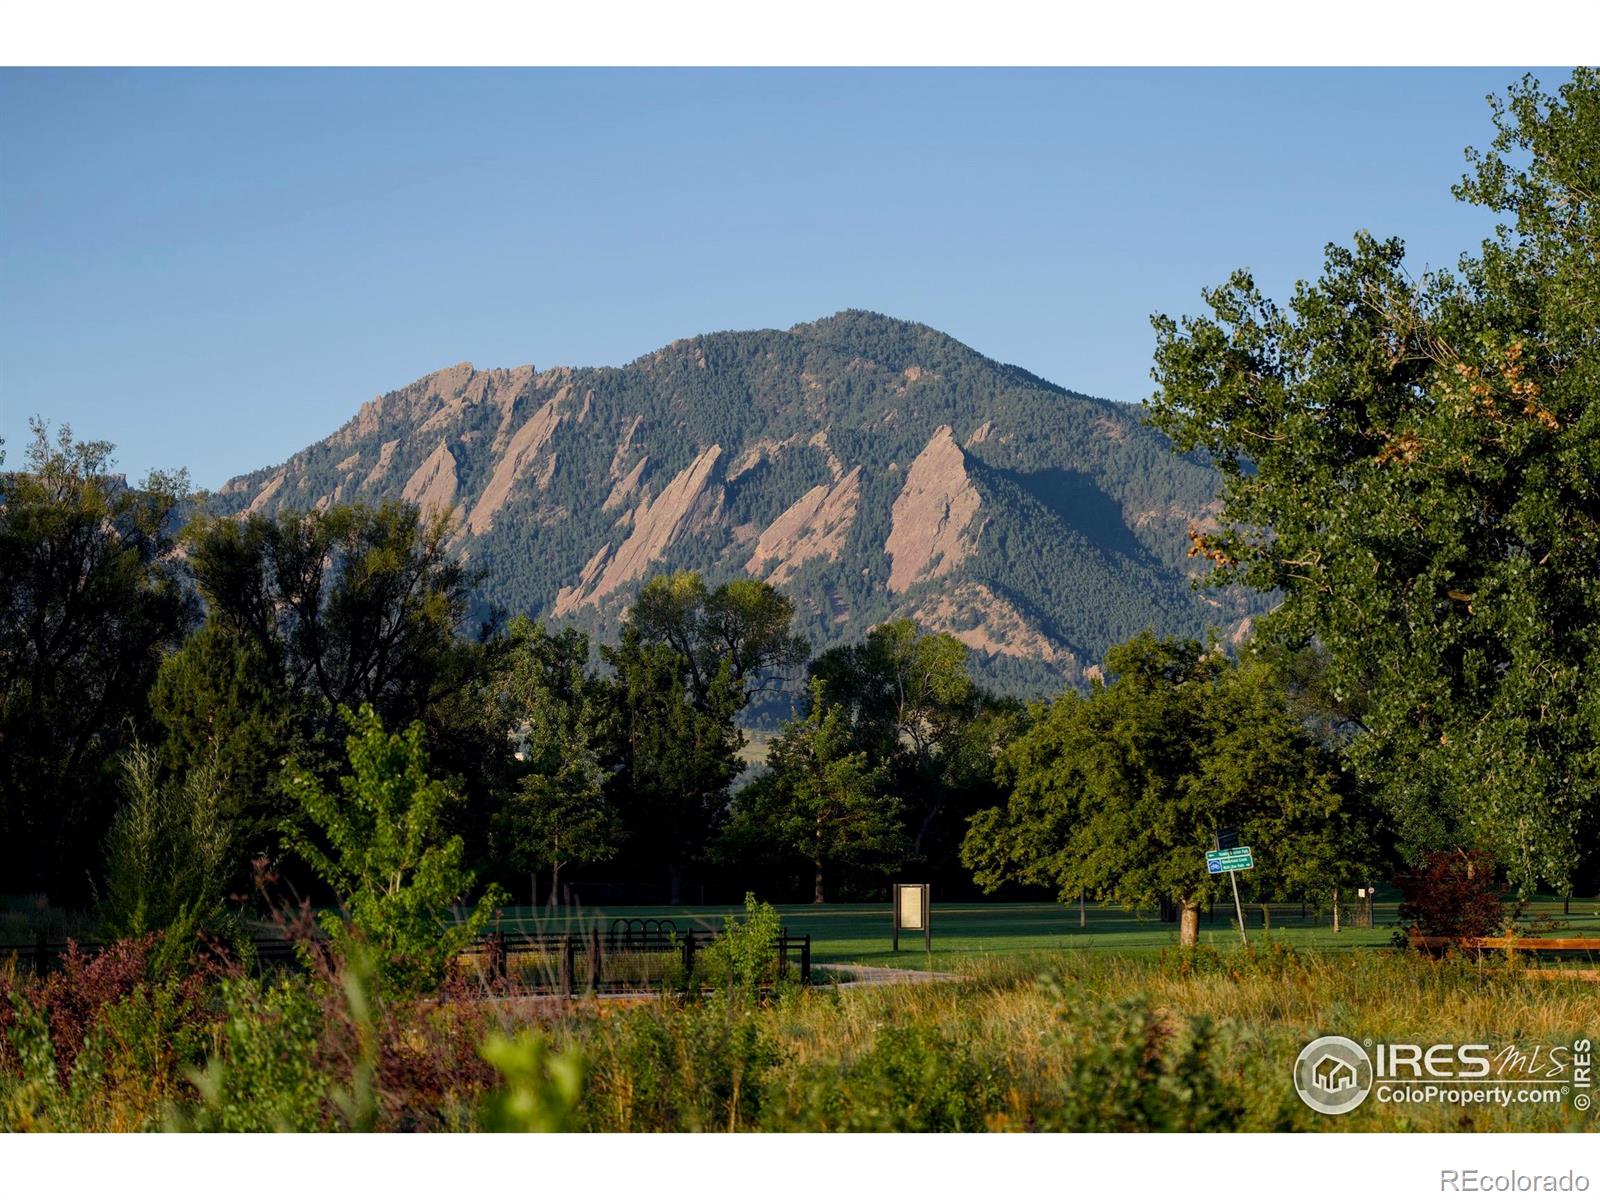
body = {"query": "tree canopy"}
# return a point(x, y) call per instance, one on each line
point(1414, 465)
point(740, 628)
point(823, 799)
point(90, 600)
point(911, 705)
point(1118, 795)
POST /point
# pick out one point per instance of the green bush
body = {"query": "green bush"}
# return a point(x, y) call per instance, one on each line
point(693, 1067)
point(1131, 1069)
point(267, 1074)
point(540, 1088)
point(382, 847)
point(912, 1079)
point(744, 956)
point(166, 851)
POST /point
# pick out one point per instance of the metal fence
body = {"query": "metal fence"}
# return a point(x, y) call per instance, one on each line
point(629, 956)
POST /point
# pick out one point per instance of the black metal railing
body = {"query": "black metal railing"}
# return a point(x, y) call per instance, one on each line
point(621, 958)
point(630, 955)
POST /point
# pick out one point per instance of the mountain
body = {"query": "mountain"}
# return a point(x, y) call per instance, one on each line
point(869, 467)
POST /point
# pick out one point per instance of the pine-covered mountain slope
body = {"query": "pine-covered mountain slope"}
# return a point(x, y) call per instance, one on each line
point(869, 467)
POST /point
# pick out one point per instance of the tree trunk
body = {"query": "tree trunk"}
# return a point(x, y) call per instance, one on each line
point(677, 875)
point(1189, 924)
point(1336, 910)
point(555, 885)
point(817, 895)
point(1083, 916)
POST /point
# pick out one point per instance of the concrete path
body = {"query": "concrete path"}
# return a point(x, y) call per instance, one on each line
point(857, 975)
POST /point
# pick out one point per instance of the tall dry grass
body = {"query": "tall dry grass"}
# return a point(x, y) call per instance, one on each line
point(1052, 1041)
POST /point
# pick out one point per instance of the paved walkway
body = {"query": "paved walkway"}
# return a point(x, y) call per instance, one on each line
point(857, 975)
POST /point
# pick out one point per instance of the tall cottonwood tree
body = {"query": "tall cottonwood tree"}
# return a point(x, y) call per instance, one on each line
point(912, 707)
point(1414, 464)
point(670, 760)
point(689, 660)
point(311, 613)
point(90, 600)
point(739, 629)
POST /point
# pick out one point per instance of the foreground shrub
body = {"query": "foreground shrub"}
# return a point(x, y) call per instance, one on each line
point(330, 1050)
point(381, 847)
point(911, 1079)
point(540, 1088)
point(266, 1075)
point(691, 1067)
point(743, 957)
point(104, 1042)
point(1133, 1070)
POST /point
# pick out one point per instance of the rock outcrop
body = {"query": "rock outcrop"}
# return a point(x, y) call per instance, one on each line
point(813, 527)
point(933, 527)
point(432, 486)
point(521, 452)
point(990, 624)
point(692, 500)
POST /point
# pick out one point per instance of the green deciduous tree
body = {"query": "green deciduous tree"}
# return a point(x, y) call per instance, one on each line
point(1119, 794)
point(670, 760)
point(1414, 463)
point(89, 601)
point(739, 630)
point(380, 846)
point(913, 708)
point(309, 613)
point(352, 605)
point(557, 814)
point(822, 798)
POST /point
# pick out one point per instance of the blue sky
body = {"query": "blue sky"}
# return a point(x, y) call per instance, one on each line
point(214, 268)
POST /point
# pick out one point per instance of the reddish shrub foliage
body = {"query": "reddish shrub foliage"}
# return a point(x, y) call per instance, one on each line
point(73, 997)
point(1454, 893)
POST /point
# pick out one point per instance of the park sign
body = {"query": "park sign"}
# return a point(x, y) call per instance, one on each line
point(1230, 858)
point(911, 913)
point(1237, 858)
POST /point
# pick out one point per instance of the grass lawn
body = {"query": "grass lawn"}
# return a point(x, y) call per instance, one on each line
point(860, 933)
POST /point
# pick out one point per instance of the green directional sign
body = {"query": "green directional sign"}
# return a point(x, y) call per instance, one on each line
point(1236, 859)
